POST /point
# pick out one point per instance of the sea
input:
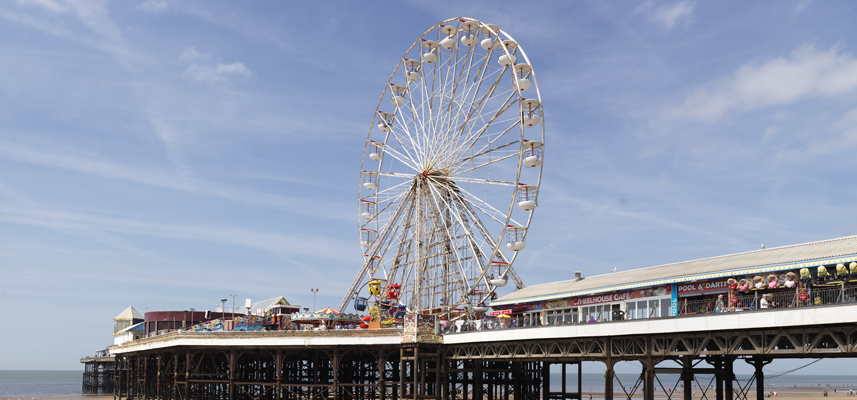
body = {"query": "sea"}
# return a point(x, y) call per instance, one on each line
point(44, 384)
point(40, 383)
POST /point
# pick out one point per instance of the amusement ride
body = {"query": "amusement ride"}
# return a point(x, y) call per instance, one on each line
point(450, 176)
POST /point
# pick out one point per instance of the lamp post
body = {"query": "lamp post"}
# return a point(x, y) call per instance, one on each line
point(314, 291)
point(222, 308)
point(233, 306)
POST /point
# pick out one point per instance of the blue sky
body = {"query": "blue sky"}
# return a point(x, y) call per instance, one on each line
point(168, 154)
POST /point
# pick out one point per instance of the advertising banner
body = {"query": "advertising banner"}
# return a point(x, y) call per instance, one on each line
point(695, 288)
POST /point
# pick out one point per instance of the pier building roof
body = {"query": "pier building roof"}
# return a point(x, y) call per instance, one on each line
point(263, 306)
point(129, 314)
point(831, 251)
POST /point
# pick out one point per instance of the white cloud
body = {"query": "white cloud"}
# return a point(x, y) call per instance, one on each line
point(216, 73)
point(93, 14)
point(806, 72)
point(844, 137)
point(153, 5)
point(49, 5)
point(668, 15)
point(802, 5)
point(192, 54)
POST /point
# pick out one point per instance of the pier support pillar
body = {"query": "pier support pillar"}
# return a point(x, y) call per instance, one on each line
point(649, 379)
point(546, 379)
point(717, 363)
point(728, 391)
point(759, 362)
point(608, 379)
point(687, 377)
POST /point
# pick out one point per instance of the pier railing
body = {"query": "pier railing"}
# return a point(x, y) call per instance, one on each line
point(262, 334)
point(752, 302)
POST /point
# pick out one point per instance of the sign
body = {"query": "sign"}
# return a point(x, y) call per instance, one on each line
point(499, 312)
point(619, 296)
point(421, 328)
point(692, 288)
point(556, 304)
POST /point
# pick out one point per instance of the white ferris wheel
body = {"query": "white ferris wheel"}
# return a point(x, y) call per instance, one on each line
point(451, 173)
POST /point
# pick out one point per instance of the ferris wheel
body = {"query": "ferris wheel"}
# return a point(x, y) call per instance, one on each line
point(451, 172)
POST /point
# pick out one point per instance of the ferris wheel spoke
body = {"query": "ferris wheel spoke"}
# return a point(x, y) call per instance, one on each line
point(486, 208)
point(452, 100)
point(407, 158)
point(451, 246)
point(509, 271)
point(447, 206)
point(485, 164)
point(475, 180)
point(381, 194)
point(454, 90)
point(491, 244)
point(464, 145)
point(469, 141)
point(402, 159)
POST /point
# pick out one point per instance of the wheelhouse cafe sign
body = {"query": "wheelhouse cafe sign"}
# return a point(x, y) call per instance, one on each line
point(608, 298)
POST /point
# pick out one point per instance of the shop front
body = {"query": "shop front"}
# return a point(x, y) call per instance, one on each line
point(631, 304)
point(701, 297)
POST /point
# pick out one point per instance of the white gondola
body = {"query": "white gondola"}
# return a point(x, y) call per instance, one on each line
point(489, 39)
point(367, 209)
point(397, 96)
point(429, 56)
point(386, 121)
point(412, 70)
point(516, 237)
point(532, 153)
point(372, 262)
point(508, 59)
point(367, 237)
point(522, 76)
point(468, 33)
point(501, 279)
point(480, 309)
point(449, 41)
point(528, 196)
point(376, 150)
point(370, 180)
point(532, 112)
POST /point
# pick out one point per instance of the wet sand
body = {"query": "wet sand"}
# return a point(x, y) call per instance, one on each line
point(809, 393)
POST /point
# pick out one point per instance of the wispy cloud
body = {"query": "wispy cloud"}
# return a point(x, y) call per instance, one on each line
point(86, 162)
point(218, 72)
point(669, 16)
point(282, 245)
point(806, 72)
point(153, 6)
point(802, 5)
point(192, 54)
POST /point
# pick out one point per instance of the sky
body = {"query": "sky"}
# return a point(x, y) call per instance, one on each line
point(167, 155)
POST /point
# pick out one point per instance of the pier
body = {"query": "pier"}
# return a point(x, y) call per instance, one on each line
point(489, 364)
